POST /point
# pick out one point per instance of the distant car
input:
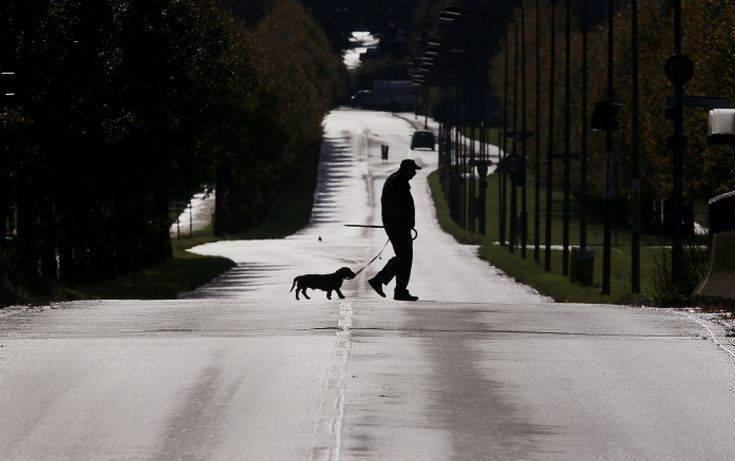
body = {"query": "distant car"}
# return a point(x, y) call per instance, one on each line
point(363, 98)
point(423, 139)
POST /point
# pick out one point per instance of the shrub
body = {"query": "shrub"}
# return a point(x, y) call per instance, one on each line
point(695, 266)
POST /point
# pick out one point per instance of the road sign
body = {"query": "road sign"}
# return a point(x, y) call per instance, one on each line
point(8, 83)
point(513, 163)
point(705, 102)
point(384, 151)
point(606, 115)
point(679, 69)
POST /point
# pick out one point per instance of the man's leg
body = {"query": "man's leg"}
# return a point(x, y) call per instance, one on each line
point(389, 271)
point(403, 246)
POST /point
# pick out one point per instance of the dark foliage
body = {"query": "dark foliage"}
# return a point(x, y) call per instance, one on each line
point(123, 108)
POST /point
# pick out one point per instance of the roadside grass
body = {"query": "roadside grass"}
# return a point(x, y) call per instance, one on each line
point(553, 283)
point(185, 271)
point(290, 210)
point(492, 134)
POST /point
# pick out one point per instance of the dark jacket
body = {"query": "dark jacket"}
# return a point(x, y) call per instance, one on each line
point(399, 213)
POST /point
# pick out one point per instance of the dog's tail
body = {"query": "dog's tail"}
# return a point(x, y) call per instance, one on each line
point(294, 284)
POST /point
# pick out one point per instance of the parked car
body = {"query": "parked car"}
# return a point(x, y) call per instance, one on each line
point(363, 98)
point(423, 139)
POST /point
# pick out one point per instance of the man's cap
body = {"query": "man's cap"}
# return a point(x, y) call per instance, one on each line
point(409, 164)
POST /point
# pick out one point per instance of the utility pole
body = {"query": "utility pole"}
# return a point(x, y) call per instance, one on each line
point(8, 86)
point(537, 163)
point(514, 175)
point(585, 138)
point(679, 69)
point(524, 145)
point(607, 250)
point(567, 139)
point(582, 264)
point(503, 188)
point(191, 221)
point(635, 186)
point(550, 153)
point(426, 107)
point(483, 164)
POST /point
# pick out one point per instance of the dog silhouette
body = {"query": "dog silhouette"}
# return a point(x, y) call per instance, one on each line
point(326, 282)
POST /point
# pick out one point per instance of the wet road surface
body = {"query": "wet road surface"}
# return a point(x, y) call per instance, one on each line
point(482, 368)
point(351, 178)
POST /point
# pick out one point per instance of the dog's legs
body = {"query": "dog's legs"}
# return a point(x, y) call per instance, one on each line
point(339, 293)
point(329, 294)
point(303, 292)
point(297, 293)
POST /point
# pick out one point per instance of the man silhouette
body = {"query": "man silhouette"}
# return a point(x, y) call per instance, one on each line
point(399, 217)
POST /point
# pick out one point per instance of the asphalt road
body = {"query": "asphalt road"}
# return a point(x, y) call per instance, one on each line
point(481, 368)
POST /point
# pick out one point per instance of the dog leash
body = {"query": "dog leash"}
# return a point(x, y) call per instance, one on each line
point(380, 253)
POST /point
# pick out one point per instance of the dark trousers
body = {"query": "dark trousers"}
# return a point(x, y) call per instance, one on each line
point(398, 266)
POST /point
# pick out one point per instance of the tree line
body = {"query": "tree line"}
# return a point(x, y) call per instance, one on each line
point(121, 108)
point(707, 39)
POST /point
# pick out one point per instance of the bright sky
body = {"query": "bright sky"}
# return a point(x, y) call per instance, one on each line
point(362, 41)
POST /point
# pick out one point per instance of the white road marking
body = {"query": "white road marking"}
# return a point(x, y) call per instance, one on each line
point(711, 333)
point(327, 440)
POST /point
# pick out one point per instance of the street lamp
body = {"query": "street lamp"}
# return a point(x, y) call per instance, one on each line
point(524, 135)
point(453, 152)
point(8, 87)
point(452, 14)
point(679, 70)
point(635, 182)
point(537, 159)
point(583, 259)
point(567, 140)
point(514, 154)
point(470, 212)
point(502, 194)
point(607, 250)
point(550, 153)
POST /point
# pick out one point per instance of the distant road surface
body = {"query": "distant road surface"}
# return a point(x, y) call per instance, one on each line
point(480, 368)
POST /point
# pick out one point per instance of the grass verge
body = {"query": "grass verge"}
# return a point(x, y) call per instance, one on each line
point(553, 283)
point(186, 271)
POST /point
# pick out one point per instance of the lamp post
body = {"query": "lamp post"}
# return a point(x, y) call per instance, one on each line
point(472, 210)
point(8, 86)
point(514, 175)
point(607, 249)
point(537, 159)
point(458, 194)
point(585, 136)
point(426, 107)
point(583, 259)
point(679, 69)
point(501, 197)
point(482, 164)
point(550, 154)
point(503, 182)
point(451, 151)
point(463, 157)
point(567, 139)
point(635, 182)
point(524, 134)
point(456, 171)
point(450, 14)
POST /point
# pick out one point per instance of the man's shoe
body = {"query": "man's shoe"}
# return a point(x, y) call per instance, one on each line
point(405, 296)
point(376, 285)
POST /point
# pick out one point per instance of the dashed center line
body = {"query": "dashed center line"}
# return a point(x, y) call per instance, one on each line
point(327, 443)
